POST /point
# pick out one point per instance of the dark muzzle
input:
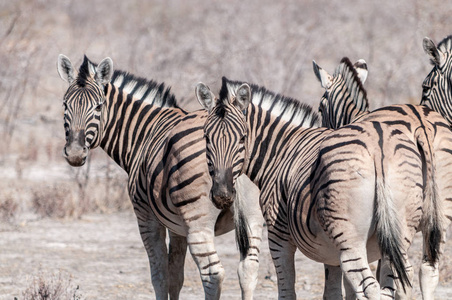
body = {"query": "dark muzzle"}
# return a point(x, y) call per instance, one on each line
point(223, 192)
point(75, 150)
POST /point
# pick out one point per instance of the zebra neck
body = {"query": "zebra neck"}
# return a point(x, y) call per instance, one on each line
point(269, 144)
point(130, 127)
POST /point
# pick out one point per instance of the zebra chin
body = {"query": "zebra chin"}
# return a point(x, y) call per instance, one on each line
point(223, 201)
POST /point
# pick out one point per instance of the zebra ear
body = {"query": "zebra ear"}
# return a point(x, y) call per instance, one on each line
point(243, 97)
point(361, 68)
point(325, 79)
point(205, 96)
point(104, 71)
point(436, 57)
point(65, 69)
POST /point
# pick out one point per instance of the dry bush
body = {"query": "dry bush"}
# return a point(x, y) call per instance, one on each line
point(54, 202)
point(51, 287)
point(8, 208)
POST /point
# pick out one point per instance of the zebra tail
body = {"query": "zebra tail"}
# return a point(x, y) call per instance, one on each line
point(242, 237)
point(433, 214)
point(389, 233)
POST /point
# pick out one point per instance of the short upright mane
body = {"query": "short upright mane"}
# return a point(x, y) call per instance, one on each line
point(141, 88)
point(353, 83)
point(446, 44)
point(146, 90)
point(289, 109)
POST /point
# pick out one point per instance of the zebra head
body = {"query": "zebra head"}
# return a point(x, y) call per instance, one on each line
point(83, 106)
point(437, 86)
point(344, 99)
point(225, 132)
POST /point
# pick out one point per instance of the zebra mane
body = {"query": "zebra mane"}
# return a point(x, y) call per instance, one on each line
point(139, 87)
point(354, 85)
point(446, 44)
point(288, 109)
point(84, 73)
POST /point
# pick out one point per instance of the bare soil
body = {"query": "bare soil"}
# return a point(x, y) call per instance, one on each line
point(105, 257)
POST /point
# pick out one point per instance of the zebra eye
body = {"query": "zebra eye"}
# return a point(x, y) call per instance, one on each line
point(98, 107)
point(242, 139)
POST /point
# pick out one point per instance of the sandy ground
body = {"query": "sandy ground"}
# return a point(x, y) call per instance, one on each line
point(106, 259)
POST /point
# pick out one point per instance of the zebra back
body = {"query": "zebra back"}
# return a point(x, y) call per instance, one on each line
point(437, 86)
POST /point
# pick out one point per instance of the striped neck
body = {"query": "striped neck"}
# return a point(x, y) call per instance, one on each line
point(135, 117)
point(273, 122)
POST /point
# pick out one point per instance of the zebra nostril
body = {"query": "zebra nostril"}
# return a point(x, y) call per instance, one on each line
point(65, 152)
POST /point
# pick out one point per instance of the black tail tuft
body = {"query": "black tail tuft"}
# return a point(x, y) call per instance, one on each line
point(241, 232)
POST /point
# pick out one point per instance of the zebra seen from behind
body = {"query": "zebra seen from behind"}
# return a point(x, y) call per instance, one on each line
point(424, 126)
point(327, 193)
point(131, 119)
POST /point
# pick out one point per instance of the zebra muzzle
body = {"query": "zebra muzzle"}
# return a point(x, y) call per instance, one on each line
point(75, 151)
point(223, 192)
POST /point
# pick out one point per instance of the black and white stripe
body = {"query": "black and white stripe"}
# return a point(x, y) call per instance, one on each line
point(138, 124)
point(427, 128)
point(327, 193)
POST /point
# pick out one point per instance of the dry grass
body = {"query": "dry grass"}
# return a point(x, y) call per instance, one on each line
point(51, 287)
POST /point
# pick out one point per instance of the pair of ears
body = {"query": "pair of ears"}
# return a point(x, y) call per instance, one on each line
point(326, 80)
point(102, 73)
point(208, 100)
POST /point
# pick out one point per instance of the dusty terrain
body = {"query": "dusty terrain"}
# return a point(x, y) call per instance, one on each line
point(106, 259)
point(78, 222)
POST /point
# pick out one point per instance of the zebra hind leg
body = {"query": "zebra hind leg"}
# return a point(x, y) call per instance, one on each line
point(176, 262)
point(358, 274)
point(429, 274)
point(153, 235)
point(390, 288)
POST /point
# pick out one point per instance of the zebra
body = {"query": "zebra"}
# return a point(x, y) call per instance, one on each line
point(345, 101)
point(300, 171)
point(132, 119)
point(437, 87)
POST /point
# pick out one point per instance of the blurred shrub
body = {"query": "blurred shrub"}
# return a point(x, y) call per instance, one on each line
point(51, 287)
point(8, 208)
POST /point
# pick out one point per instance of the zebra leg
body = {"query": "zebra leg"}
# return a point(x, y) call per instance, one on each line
point(202, 249)
point(247, 205)
point(333, 282)
point(390, 287)
point(429, 274)
point(176, 262)
point(153, 235)
point(282, 251)
point(358, 274)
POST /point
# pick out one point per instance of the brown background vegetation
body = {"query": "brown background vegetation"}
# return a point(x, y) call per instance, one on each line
point(270, 43)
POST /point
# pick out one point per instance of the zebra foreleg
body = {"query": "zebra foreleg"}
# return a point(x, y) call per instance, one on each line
point(153, 235)
point(283, 253)
point(202, 249)
point(176, 262)
point(335, 287)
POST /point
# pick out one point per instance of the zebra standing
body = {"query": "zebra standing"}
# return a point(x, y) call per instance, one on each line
point(345, 101)
point(326, 192)
point(130, 118)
